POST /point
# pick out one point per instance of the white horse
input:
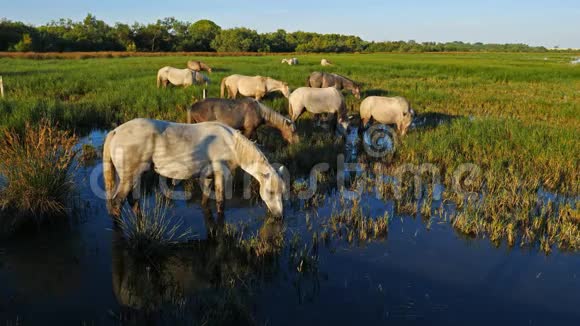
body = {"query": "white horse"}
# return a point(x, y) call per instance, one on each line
point(180, 77)
point(317, 101)
point(387, 110)
point(198, 66)
point(182, 151)
point(252, 86)
point(325, 62)
point(291, 61)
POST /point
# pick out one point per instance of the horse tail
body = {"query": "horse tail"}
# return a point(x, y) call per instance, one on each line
point(365, 113)
point(109, 170)
point(308, 82)
point(223, 87)
point(159, 79)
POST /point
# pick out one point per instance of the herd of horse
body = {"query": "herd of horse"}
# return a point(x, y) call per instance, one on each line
point(215, 139)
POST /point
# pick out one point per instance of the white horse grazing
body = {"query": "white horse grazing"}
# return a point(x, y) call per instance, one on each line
point(291, 61)
point(252, 86)
point(387, 110)
point(180, 77)
point(325, 62)
point(182, 151)
point(317, 101)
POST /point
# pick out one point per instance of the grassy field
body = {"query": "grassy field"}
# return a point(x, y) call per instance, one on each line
point(516, 116)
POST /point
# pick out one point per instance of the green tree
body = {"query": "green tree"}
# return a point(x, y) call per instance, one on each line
point(124, 35)
point(201, 34)
point(25, 45)
point(152, 37)
point(12, 33)
point(277, 41)
point(237, 40)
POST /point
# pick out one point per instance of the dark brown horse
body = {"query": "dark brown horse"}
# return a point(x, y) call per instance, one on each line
point(245, 115)
point(324, 79)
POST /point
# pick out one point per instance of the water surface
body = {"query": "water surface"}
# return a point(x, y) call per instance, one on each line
point(421, 273)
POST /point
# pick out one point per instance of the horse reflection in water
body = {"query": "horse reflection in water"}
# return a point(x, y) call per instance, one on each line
point(192, 280)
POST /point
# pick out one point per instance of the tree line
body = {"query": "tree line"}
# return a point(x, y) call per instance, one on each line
point(170, 34)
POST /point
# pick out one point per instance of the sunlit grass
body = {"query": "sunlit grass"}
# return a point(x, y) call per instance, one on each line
point(515, 116)
point(37, 167)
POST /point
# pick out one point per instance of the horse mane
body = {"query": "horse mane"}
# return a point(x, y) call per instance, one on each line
point(354, 84)
point(274, 118)
point(272, 80)
point(247, 152)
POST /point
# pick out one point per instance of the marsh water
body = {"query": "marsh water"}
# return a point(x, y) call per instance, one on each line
point(76, 272)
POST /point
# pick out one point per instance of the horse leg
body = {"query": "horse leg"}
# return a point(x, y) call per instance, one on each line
point(365, 121)
point(219, 183)
point(133, 202)
point(210, 226)
point(205, 193)
point(316, 119)
point(402, 128)
point(333, 121)
point(124, 189)
point(207, 215)
point(296, 113)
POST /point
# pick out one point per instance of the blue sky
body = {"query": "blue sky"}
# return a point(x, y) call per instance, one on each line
point(547, 22)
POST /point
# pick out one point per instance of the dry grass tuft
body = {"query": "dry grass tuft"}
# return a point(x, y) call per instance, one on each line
point(37, 169)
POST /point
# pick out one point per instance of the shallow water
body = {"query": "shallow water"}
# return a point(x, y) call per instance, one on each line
point(421, 273)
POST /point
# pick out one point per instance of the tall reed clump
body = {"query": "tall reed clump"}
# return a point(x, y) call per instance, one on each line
point(37, 168)
point(151, 228)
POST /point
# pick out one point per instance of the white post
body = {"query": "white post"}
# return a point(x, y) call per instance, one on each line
point(1, 87)
point(203, 90)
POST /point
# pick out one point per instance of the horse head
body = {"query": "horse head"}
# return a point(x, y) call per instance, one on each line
point(272, 189)
point(285, 90)
point(356, 91)
point(289, 132)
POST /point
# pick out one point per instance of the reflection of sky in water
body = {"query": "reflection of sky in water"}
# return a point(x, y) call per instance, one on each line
point(423, 272)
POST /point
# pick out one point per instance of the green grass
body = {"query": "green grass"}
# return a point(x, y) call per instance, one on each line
point(517, 116)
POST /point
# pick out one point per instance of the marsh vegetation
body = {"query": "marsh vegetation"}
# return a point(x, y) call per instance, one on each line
point(493, 154)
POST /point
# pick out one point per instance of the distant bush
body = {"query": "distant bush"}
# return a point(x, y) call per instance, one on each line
point(36, 167)
point(171, 35)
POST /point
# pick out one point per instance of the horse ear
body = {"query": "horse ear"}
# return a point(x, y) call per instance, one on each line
point(290, 124)
point(281, 170)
